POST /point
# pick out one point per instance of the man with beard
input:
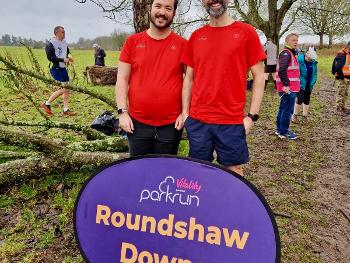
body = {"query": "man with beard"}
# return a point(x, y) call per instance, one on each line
point(148, 89)
point(218, 57)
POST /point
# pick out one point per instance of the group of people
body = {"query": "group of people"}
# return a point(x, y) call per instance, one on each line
point(166, 83)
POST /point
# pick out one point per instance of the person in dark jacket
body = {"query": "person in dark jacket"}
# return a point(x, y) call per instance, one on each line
point(308, 78)
point(288, 85)
point(99, 55)
point(342, 74)
point(57, 53)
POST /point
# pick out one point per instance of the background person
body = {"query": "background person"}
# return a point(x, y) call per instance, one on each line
point(271, 61)
point(308, 78)
point(99, 55)
point(341, 67)
point(288, 85)
point(57, 52)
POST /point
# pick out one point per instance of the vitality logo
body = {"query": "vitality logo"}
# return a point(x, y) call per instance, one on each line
point(181, 192)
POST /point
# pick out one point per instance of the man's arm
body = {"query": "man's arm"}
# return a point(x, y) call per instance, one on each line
point(186, 92)
point(257, 93)
point(121, 91)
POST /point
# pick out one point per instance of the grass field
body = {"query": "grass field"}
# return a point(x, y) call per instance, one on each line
point(36, 216)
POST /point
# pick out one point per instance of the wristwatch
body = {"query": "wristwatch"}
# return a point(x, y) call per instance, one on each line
point(120, 111)
point(254, 117)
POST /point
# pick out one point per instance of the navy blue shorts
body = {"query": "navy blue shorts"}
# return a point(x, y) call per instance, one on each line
point(228, 140)
point(59, 74)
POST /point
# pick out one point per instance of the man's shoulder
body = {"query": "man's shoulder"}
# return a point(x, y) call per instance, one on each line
point(178, 38)
point(135, 36)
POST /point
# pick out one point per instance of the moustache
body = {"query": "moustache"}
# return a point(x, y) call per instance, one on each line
point(161, 16)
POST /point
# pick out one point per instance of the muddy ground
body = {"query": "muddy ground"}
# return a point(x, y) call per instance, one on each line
point(306, 183)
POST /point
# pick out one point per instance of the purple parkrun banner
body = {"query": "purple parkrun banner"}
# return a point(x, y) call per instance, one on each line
point(164, 209)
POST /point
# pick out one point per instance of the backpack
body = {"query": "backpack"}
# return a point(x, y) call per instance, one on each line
point(107, 123)
point(334, 67)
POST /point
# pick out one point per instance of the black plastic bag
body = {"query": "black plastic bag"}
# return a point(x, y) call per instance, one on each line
point(106, 123)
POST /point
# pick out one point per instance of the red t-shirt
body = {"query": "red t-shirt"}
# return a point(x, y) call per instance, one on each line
point(221, 57)
point(156, 77)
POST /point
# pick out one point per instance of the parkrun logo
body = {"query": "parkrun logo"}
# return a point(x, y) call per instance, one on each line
point(176, 192)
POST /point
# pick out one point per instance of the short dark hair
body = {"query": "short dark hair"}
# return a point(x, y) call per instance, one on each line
point(57, 28)
point(175, 4)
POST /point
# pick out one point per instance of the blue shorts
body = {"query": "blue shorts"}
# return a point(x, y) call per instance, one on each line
point(59, 74)
point(228, 140)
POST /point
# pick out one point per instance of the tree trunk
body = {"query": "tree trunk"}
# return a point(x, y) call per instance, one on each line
point(141, 15)
point(330, 41)
point(321, 40)
point(101, 75)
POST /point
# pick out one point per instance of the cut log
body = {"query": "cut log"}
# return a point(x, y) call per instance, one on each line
point(101, 75)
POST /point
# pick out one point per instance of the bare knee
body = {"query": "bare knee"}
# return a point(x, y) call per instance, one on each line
point(237, 169)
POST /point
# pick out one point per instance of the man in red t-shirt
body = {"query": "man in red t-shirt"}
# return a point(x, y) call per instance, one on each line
point(218, 57)
point(148, 89)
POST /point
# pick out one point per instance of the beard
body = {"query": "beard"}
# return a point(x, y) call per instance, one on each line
point(216, 13)
point(167, 24)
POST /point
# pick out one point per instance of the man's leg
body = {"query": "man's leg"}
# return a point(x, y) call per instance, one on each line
point(289, 101)
point(55, 95)
point(342, 94)
point(238, 169)
point(167, 139)
point(141, 141)
point(281, 109)
point(297, 105)
point(231, 146)
point(200, 139)
point(66, 94)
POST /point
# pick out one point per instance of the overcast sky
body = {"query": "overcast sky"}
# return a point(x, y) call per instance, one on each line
point(36, 19)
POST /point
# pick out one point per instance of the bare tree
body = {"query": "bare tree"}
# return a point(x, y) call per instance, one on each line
point(134, 12)
point(338, 22)
point(267, 15)
point(322, 17)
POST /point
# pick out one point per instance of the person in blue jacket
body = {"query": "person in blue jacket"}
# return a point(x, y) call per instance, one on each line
point(308, 78)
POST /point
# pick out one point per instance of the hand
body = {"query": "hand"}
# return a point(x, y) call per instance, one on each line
point(286, 89)
point(248, 124)
point(125, 122)
point(179, 123)
point(66, 60)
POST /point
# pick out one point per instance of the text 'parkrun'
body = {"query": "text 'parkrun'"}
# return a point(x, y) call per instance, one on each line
point(166, 227)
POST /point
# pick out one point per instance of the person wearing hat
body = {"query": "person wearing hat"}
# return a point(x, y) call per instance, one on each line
point(57, 53)
point(99, 55)
point(308, 78)
point(341, 66)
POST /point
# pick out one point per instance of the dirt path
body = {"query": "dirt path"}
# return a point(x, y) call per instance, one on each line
point(332, 184)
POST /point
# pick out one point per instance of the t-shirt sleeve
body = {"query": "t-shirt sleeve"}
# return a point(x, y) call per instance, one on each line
point(255, 52)
point(125, 54)
point(187, 56)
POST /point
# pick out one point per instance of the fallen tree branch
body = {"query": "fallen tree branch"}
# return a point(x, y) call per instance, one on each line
point(111, 144)
point(90, 133)
point(24, 170)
